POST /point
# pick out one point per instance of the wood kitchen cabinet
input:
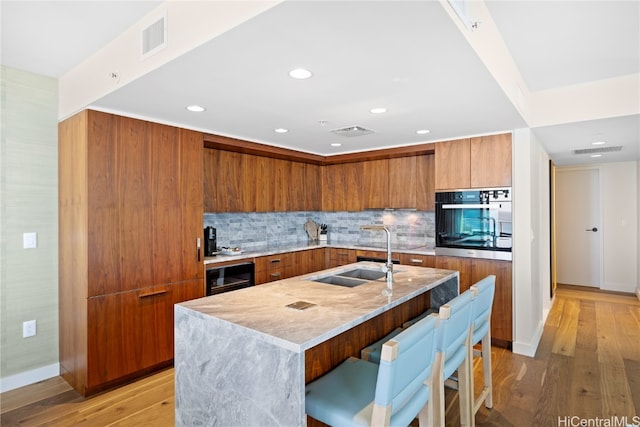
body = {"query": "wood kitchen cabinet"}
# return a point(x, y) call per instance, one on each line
point(274, 267)
point(309, 261)
point(474, 269)
point(238, 182)
point(130, 217)
point(339, 257)
point(481, 162)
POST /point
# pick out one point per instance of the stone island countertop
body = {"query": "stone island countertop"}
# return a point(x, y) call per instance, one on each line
point(240, 356)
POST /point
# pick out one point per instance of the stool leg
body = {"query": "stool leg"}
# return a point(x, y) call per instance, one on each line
point(486, 369)
point(437, 393)
point(465, 392)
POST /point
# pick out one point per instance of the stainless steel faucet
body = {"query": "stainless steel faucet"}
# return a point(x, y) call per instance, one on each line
point(389, 265)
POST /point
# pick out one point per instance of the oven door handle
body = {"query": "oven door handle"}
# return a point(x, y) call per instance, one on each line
point(473, 206)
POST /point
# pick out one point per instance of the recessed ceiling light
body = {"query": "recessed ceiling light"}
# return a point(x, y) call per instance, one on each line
point(300, 73)
point(378, 110)
point(195, 108)
point(423, 131)
point(336, 144)
point(596, 155)
point(598, 143)
point(281, 130)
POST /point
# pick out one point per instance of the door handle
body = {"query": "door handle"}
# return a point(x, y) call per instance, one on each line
point(198, 248)
point(594, 229)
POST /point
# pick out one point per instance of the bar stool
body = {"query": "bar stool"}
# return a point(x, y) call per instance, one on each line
point(452, 353)
point(361, 393)
point(483, 294)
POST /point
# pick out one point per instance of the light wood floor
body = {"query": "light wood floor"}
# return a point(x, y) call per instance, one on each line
point(587, 366)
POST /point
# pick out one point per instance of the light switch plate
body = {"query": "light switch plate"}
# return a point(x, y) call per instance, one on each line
point(30, 240)
point(28, 328)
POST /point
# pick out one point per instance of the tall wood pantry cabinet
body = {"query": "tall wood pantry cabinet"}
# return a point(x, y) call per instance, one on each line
point(130, 214)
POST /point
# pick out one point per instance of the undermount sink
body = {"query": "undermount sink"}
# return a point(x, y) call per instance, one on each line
point(341, 281)
point(351, 278)
point(361, 273)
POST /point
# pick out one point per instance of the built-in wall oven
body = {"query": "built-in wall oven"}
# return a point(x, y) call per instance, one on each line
point(230, 277)
point(474, 223)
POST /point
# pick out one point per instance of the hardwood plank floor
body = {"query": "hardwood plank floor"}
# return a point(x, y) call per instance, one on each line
point(587, 366)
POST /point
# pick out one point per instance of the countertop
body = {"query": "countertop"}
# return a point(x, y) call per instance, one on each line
point(301, 246)
point(263, 309)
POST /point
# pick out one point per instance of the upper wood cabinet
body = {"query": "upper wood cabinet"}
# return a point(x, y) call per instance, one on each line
point(403, 182)
point(236, 182)
point(491, 161)
point(473, 163)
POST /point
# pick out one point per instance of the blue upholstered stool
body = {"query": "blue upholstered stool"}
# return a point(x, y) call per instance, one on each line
point(452, 354)
point(373, 352)
point(483, 295)
point(361, 393)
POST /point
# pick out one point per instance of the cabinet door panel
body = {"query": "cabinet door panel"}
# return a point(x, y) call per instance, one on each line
point(132, 331)
point(334, 186)
point(209, 158)
point(191, 205)
point(501, 315)
point(375, 184)
point(453, 160)
point(463, 265)
point(134, 189)
point(103, 236)
point(312, 188)
point(165, 217)
point(425, 183)
point(265, 191)
point(402, 182)
point(491, 165)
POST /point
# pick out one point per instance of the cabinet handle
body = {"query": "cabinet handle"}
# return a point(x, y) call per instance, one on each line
point(416, 261)
point(273, 261)
point(198, 248)
point(275, 274)
point(151, 294)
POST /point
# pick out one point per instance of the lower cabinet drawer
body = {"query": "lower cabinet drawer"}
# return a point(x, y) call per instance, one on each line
point(418, 260)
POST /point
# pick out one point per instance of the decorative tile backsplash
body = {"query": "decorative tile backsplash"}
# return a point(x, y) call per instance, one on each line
point(247, 230)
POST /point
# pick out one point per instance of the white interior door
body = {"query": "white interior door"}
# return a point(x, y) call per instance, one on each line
point(578, 227)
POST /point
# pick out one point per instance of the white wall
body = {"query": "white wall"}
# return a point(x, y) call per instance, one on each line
point(619, 224)
point(28, 277)
point(531, 266)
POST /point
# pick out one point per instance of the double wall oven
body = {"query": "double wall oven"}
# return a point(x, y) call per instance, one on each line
point(474, 223)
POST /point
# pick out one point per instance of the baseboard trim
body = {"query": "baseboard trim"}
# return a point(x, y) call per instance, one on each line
point(529, 349)
point(29, 377)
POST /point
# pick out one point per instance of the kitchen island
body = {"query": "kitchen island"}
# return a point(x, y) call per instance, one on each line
point(243, 357)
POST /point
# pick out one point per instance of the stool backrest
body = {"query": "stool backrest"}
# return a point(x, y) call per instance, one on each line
point(483, 293)
point(455, 322)
point(404, 375)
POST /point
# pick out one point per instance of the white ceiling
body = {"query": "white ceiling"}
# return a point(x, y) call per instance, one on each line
point(408, 57)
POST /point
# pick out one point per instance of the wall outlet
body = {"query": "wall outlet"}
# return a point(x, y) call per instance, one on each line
point(30, 240)
point(28, 329)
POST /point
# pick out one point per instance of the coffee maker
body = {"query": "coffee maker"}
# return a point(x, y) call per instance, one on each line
point(210, 248)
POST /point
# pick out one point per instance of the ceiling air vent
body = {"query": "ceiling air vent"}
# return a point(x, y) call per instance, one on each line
point(598, 150)
point(352, 131)
point(154, 37)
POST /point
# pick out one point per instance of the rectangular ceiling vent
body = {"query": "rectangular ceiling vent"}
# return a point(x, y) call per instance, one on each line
point(154, 37)
point(598, 150)
point(352, 131)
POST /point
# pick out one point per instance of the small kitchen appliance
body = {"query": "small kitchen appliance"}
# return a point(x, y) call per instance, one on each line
point(210, 241)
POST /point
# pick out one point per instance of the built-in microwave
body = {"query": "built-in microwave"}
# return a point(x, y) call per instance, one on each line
point(474, 223)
